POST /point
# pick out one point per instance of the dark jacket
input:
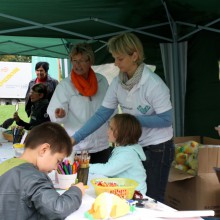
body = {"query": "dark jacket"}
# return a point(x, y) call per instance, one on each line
point(26, 193)
point(51, 85)
point(38, 114)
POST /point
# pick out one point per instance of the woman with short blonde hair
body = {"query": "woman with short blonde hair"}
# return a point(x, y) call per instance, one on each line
point(142, 93)
point(127, 44)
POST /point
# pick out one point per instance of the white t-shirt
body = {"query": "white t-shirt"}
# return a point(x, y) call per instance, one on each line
point(150, 96)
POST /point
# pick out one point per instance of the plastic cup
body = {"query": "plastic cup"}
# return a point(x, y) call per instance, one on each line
point(82, 175)
point(19, 149)
point(65, 181)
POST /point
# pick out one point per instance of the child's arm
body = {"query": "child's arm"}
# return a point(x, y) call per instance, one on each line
point(81, 187)
point(49, 203)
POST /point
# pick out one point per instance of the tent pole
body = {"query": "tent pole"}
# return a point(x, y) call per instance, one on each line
point(177, 100)
point(177, 85)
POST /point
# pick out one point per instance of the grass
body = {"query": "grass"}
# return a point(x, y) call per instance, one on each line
point(7, 111)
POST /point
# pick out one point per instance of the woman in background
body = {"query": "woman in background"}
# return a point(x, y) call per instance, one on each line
point(41, 70)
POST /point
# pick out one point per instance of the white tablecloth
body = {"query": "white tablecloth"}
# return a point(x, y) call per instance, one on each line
point(159, 210)
point(6, 151)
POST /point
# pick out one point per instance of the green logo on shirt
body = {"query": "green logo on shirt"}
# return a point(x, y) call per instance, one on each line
point(143, 110)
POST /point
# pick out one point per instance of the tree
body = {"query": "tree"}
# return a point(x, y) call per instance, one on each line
point(15, 58)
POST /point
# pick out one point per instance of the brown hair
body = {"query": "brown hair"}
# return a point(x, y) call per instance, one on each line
point(53, 134)
point(44, 65)
point(127, 129)
point(84, 49)
point(40, 88)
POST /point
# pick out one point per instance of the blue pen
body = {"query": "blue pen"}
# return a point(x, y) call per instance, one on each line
point(70, 168)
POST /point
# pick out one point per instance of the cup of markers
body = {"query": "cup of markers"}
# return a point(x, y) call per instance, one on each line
point(66, 174)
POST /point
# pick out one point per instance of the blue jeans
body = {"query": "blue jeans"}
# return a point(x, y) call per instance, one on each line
point(157, 166)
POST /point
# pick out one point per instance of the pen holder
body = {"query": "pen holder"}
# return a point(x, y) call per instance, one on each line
point(65, 181)
point(82, 175)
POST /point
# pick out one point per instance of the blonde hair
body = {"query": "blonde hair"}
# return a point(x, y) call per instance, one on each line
point(126, 43)
point(84, 49)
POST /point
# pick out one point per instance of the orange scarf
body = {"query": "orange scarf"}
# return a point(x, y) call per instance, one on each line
point(86, 87)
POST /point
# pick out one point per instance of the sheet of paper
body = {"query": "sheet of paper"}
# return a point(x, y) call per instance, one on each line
point(6, 151)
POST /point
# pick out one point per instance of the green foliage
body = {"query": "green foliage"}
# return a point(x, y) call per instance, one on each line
point(15, 58)
point(7, 111)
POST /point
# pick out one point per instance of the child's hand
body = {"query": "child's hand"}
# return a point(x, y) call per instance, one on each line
point(81, 187)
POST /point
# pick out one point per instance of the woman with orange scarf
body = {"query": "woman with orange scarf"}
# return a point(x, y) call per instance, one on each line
point(76, 99)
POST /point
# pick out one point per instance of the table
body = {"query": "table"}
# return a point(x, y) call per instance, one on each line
point(157, 213)
point(6, 151)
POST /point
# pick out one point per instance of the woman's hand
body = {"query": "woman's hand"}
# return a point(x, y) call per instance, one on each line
point(60, 113)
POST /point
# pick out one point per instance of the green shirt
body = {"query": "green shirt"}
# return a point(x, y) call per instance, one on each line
point(9, 164)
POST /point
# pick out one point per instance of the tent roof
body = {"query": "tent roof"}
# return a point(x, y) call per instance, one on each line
point(48, 28)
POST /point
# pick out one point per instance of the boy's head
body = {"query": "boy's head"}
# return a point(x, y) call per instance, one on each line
point(38, 91)
point(50, 143)
point(124, 129)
